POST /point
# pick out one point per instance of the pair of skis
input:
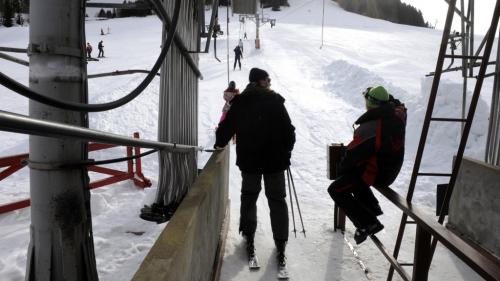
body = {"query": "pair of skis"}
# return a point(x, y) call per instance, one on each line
point(253, 265)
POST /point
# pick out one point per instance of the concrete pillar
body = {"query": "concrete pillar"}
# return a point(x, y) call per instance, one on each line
point(61, 246)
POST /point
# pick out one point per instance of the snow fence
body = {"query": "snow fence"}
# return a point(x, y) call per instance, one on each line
point(188, 247)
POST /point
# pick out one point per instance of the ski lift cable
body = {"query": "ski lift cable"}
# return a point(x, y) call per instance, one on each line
point(75, 106)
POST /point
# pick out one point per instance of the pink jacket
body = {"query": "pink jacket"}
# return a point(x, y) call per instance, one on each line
point(228, 96)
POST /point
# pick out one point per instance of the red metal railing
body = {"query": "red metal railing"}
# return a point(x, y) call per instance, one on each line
point(17, 162)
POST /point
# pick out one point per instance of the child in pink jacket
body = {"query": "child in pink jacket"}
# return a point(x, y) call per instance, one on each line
point(229, 94)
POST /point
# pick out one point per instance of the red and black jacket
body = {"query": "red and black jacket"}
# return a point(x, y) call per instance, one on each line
point(376, 152)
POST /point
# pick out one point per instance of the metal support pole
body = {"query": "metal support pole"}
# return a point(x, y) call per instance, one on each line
point(257, 24)
point(492, 155)
point(61, 246)
point(322, 24)
point(465, 61)
point(227, 43)
point(422, 255)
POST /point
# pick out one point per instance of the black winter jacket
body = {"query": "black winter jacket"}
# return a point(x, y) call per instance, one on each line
point(265, 134)
point(376, 152)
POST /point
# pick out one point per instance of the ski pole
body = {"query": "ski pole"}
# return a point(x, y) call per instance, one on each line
point(297, 200)
point(291, 203)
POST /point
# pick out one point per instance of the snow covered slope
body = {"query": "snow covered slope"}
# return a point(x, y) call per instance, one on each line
point(322, 90)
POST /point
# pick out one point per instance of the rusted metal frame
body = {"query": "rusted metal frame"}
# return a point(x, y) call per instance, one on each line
point(14, 59)
point(425, 127)
point(13, 50)
point(10, 170)
point(16, 163)
point(118, 73)
point(482, 262)
point(12, 160)
point(13, 163)
point(394, 263)
point(14, 206)
point(470, 116)
point(139, 179)
point(108, 181)
point(107, 171)
point(95, 146)
point(422, 257)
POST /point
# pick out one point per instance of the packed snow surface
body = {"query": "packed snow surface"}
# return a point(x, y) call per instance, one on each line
point(322, 88)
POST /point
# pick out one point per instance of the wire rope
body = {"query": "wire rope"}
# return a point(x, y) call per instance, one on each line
point(75, 106)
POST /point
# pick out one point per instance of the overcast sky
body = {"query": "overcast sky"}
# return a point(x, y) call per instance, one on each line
point(435, 10)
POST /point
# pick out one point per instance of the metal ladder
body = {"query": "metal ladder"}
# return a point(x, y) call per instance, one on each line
point(466, 121)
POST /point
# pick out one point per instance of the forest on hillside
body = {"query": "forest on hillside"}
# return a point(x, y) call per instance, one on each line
point(391, 10)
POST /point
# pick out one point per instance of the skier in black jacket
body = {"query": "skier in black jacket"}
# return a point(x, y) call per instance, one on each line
point(238, 55)
point(373, 158)
point(266, 138)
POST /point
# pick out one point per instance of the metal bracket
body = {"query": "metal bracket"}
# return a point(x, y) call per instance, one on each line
point(57, 166)
point(44, 48)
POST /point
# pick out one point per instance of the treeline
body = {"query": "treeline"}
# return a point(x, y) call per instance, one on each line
point(12, 11)
point(391, 10)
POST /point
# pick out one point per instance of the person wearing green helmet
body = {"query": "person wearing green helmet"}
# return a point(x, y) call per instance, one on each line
point(373, 158)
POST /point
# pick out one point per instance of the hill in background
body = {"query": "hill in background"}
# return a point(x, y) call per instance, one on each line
point(391, 10)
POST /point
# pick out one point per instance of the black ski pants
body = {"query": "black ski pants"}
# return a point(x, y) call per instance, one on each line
point(237, 60)
point(355, 197)
point(101, 53)
point(275, 190)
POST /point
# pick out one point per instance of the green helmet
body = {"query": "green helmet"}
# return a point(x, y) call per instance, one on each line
point(376, 96)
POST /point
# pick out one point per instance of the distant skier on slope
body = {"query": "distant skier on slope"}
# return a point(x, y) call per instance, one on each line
point(373, 158)
point(88, 49)
point(238, 54)
point(240, 43)
point(266, 138)
point(100, 46)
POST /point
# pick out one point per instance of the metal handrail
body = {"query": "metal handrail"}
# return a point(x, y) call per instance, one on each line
point(17, 123)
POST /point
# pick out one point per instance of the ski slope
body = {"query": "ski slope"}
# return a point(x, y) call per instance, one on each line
point(322, 90)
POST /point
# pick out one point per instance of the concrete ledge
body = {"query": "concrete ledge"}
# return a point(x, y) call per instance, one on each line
point(186, 249)
point(474, 206)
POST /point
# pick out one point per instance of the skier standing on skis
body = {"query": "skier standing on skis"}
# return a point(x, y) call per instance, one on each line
point(88, 49)
point(240, 43)
point(373, 158)
point(238, 54)
point(100, 46)
point(266, 138)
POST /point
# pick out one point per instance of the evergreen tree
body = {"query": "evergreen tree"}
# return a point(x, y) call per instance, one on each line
point(391, 10)
point(8, 14)
point(101, 14)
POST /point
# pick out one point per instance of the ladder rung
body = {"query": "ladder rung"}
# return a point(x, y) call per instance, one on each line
point(406, 264)
point(411, 222)
point(434, 174)
point(463, 57)
point(449, 119)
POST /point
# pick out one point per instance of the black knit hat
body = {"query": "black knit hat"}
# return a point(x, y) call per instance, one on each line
point(257, 74)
